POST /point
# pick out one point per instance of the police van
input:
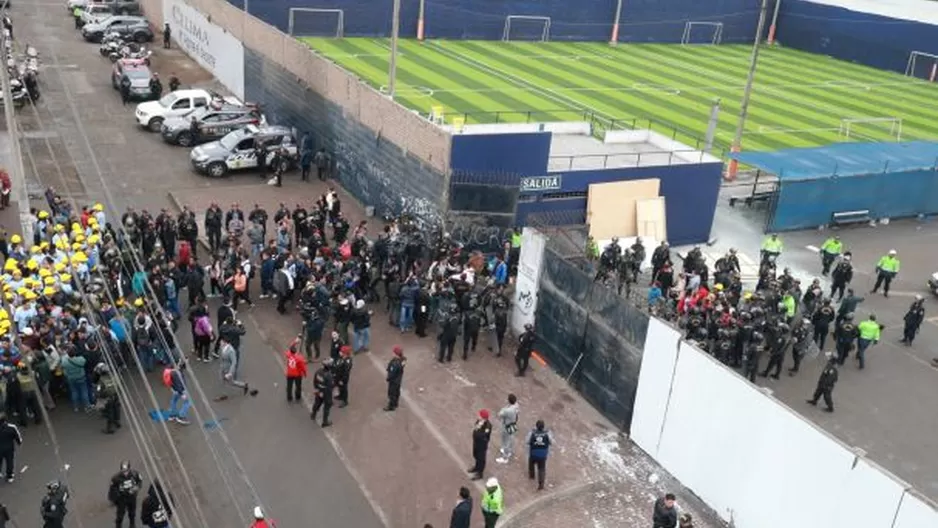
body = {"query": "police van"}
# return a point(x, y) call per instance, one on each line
point(238, 150)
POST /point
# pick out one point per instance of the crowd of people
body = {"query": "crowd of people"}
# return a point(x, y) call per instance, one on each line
point(757, 330)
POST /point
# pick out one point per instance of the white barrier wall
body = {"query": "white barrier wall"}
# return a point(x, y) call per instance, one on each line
point(750, 457)
point(529, 275)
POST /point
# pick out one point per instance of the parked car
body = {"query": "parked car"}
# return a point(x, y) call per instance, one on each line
point(118, 7)
point(179, 103)
point(139, 75)
point(95, 13)
point(215, 121)
point(132, 27)
point(238, 150)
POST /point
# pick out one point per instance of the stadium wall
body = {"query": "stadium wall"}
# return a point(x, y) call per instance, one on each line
point(872, 39)
point(641, 20)
point(386, 156)
point(683, 393)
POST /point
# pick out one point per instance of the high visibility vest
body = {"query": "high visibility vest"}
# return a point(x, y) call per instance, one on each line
point(516, 240)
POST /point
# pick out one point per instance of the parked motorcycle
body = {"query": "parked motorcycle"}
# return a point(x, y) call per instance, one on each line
point(17, 94)
point(933, 284)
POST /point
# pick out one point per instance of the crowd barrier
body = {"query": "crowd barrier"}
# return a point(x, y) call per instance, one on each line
point(751, 458)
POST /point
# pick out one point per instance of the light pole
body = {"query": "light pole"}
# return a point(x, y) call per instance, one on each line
point(395, 31)
point(420, 20)
point(747, 93)
point(614, 39)
point(772, 26)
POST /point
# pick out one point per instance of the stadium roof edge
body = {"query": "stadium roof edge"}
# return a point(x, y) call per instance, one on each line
point(844, 159)
point(908, 10)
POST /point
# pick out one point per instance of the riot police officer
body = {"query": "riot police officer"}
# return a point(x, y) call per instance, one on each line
point(500, 307)
point(449, 329)
point(323, 385)
point(822, 320)
point(609, 259)
point(752, 356)
point(913, 320)
point(313, 325)
point(123, 493)
point(841, 276)
point(525, 348)
point(107, 392)
point(779, 344)
point(845, 335)
point(825, 384)
point(395, 377)
point(799, 344)
point(53, 507)
point(343, 372)
point(472, 323)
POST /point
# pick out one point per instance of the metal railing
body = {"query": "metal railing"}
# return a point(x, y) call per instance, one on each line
point(624, 159)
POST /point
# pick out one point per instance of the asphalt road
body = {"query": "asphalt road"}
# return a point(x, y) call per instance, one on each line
point(81, 140)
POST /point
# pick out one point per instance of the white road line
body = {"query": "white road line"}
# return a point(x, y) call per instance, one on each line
point(815, 249)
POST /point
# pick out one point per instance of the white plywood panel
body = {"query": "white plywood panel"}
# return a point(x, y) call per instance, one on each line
point(654, 385)
point(915, 512)
point(873, 497)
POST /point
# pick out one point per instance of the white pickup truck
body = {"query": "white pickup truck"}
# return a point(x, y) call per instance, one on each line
point(151, 114)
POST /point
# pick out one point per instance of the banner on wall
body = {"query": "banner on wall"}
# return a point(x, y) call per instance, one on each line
point(528, 279)
point(212, 47)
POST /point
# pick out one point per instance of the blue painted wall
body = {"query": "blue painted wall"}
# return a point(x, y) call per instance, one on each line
point(810, 203)
point(523, 154)
point(873, 40)
point(374, 170)
point(690, 193)
point(641, 20)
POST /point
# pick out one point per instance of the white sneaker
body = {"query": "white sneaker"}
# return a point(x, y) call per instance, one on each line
point(501, 460)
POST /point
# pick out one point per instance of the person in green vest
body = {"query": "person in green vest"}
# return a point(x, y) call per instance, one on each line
point(830, 250)
point(76, 14)
point(771, 247)
point(493, 503)
point(592, 249)
point(869, 331)
point(886, 269)
point(788, 301)
point(515, 252)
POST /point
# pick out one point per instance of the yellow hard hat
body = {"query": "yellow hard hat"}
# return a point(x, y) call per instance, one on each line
point(17, 273)
point(76, 226)
point(16, 239)
point(10, 264)
point(80, 238)
point(6, 324)
point(79, 257)
point(4, 315)
point(7, 287)
point(43, 214)
point(94, 239)
point(747, 295)
point(119, 301)
point(44, 272)
point(59, 227)
point(138, 303)
point(65, 277)
point(8, 295)
point(32, 265)
point(29, 295)
point(48, 291)
point(59, 267)
point(43, 245)
point(34, 250)
point(49, 281)
point(76, 246)
point(98, 207)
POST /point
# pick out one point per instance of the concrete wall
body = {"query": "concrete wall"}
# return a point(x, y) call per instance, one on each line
point(750, 457)
point(387, 155)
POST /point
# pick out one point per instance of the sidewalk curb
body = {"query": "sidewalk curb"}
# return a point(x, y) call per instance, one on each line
point(538, 502)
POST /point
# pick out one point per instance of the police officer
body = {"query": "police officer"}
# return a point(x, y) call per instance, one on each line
point(779, 344)
point(323, 385)
point(822, 322)
point(830, 250)
point(125, 90)
point(449, 329)
point(107, 392)
point(844, 335)
point(313, 326)
point(771, 247)
point(539, 442)
point(28, 400)
point(123, 493)
point(395, 377)
point(913, 320)
point(343, 372)
point(53, 506)
point(842, 275)
point(753, 355)
point(825, 384)
point(609, 260)
point(472, 323)
point(799, 345)
point(422, 312)
point(481, 434)
point(195, 131)
point(500, 307)
point(525, 348)
point(886, 270)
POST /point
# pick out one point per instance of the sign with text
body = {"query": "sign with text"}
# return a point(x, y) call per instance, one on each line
point(541, 183)
point(212, 47)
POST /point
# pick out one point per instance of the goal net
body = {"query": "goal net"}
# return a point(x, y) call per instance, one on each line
point(702, 33)
point(871, 128)
point(922, 65)
point(312, 22)
point(524, 27)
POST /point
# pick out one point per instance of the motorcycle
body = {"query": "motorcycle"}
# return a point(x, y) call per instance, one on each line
point(933, 284)
point(17, 94)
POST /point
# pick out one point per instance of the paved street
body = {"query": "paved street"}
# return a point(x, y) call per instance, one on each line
point(372, 468)
point(886, 409)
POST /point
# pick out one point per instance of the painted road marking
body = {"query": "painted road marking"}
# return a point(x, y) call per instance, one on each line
point(814, 249)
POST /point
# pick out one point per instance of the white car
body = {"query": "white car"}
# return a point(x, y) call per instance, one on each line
point(95, 13)
point(151, 114)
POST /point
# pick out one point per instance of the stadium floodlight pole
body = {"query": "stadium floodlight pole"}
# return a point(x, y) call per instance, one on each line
point(747, 93)
point(246, 7)
point(614, 39)
point(772, 26)
point(395, 31)
point(420, 20)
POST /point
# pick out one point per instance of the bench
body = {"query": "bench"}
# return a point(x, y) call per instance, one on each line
point(755, 197)
point(851, 217)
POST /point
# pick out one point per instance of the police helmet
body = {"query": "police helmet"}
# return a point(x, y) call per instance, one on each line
point(783, 328)
point(53, 486)
point(757, 336)
point(453, 309)
point(125, 465)
point(528, 326)
point(848, 317)
point(327, 362)
point(101, 368)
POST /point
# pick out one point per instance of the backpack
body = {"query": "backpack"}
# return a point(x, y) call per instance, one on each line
point(168, 377)
point(203, 328)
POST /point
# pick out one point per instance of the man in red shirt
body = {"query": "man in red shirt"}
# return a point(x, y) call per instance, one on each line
point(296, 371)
point(6, 186)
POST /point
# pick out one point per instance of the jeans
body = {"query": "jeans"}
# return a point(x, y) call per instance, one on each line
point(362, 338)
point(407, 316)
point(172, 305)
point(175, 409)
point(147, 357)
point(508, 443)
point(256, 251)
point(237, 370)
point(862, 345)
point(78, 389)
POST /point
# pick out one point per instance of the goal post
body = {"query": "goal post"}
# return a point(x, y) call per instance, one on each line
point(535, 28)
point(316, 22)
point(715, 32)
point(871, 128)
point(930, 62)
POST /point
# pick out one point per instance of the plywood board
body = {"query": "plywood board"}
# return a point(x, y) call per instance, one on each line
point(650, 218)
point(611, 206)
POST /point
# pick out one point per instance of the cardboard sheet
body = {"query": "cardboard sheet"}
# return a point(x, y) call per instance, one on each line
point(611, 206)
point(650, 218)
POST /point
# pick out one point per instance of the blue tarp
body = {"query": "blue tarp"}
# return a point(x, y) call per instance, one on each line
point(844, 159)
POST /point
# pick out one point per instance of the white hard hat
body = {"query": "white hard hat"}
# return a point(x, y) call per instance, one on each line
point(491, 483)
point(258, 512)
point(892, 251)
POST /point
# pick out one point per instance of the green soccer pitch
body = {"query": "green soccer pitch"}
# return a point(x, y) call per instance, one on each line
point(799, 99)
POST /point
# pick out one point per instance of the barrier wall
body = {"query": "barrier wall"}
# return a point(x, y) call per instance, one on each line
point(386, 156)
point(871, 39)
point(750, 457)
point(641, 20)
point(212, 47)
